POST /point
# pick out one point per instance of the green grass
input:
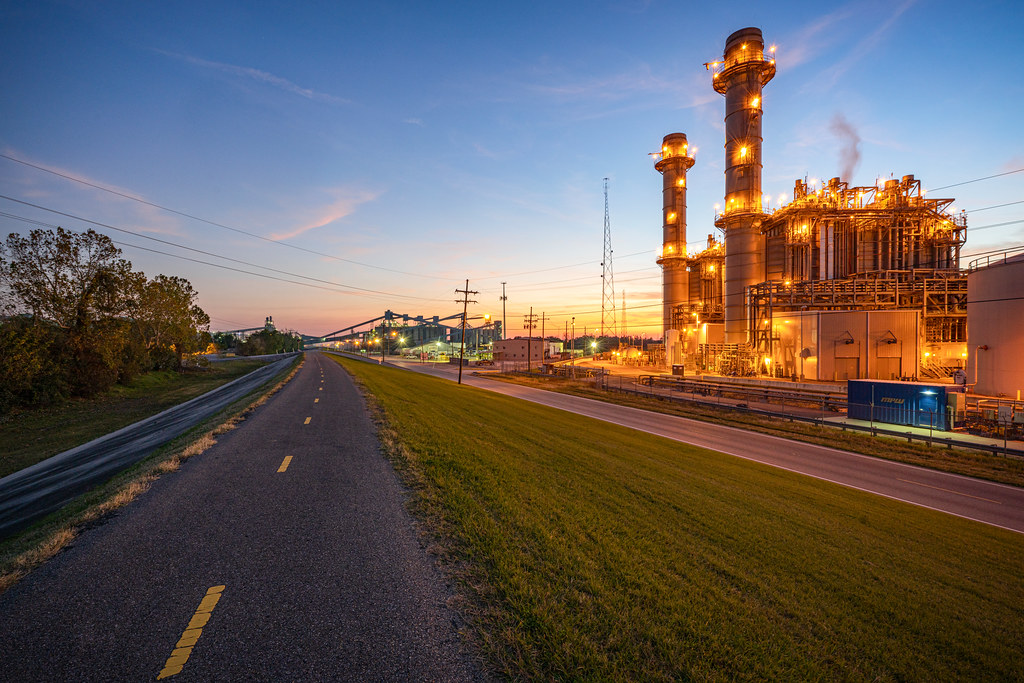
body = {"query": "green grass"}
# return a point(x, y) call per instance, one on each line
point(956, 460)
point(29, 436)
point(587, 551)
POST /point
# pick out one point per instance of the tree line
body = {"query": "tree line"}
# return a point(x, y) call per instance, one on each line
point(75, 318)
point(260, 343)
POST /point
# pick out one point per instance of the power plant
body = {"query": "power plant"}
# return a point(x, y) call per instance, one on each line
point(841, 283)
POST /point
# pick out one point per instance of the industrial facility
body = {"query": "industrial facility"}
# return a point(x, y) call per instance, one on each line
point(841, 283)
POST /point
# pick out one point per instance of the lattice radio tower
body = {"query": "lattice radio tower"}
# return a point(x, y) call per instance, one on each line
point(607, 276)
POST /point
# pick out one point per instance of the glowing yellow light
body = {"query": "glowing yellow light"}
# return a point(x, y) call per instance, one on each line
point(671, 216)
point(756, 101)
point(681, 182)
point(711, 268)
point(743, 152)
point(788, 283)
point(767, 360)
point(669, 248)
point(664, 148)
point(926, 354)
point(717, 207)
point(743, 46)
point(766, 321)
point(771, 49)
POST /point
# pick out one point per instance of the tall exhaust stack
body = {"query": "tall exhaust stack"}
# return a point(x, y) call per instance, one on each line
point(675, 161)
point(740, 76)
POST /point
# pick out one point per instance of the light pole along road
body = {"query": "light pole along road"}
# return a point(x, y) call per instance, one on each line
point(983, 501)
point(284, 553)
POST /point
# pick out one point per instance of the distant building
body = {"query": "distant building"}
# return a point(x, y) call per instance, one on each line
point(517, 349)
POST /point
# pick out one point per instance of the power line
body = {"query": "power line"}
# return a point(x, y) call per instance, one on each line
point(968, 182)
point(995, 206)
point(213, 223)
point(207, 253)
point(994, 225)
point(269, 239)
point(192, 260)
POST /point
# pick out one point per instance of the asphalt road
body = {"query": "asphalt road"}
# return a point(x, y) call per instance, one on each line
point(283, 553)
point(36, 491)
point(984, 501)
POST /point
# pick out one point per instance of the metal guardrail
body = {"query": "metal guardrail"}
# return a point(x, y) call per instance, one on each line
point(35, 491)
point(931, 439)
point(995, 259)
point(828, 400)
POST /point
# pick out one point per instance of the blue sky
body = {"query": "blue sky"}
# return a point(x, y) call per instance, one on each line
point(401, 148)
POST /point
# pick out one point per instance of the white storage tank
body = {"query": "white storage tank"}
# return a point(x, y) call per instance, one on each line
point(995, 325)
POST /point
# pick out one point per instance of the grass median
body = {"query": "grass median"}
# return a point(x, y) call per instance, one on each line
point(1005, 470)
point(30, 436)
point(590, 551)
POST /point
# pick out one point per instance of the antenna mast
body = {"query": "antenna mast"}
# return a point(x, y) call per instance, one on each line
point(607, 276)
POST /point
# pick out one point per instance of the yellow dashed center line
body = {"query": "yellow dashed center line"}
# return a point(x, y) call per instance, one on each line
point(321, 388)
point(307, 420)
point(284, 465)
point(316, 400)
point(183, 649)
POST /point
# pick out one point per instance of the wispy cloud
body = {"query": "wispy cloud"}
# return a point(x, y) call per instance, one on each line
point(121, 206)
point(639, 88)
point(483, 151)
point(813, 38)
point(413, 122)
point(259, 76)
point(608, 87)
point(345, 202)
point(864, 46)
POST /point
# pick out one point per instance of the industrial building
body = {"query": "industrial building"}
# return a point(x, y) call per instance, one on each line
point(526, 348)
point(841, 283)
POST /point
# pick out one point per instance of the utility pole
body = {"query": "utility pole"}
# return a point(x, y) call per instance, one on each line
point(465, 302)
point(529, 322)
point(572, 353)
point(543, 341)
point(622, 324)
point(504, 330)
